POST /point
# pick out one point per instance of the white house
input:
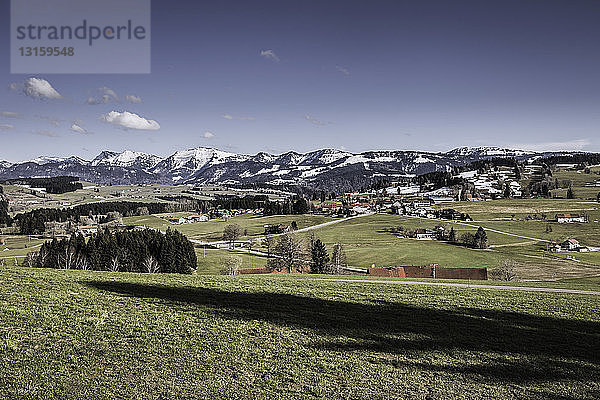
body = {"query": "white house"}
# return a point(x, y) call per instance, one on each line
point(570, 218)
point(87, 230)
point(198, 218)
point(570, 245)
point(177, 220)
point(425, 234)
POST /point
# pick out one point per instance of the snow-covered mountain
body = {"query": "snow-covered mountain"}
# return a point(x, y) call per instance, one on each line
point(327, 169)
point(127, 158)
point(487, 151)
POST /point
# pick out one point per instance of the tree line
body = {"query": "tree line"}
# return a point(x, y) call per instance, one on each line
point(33, 222)
point(5, 219)
point(128, 251)
point(290, 253)
point(295, 205)
point(53, 185)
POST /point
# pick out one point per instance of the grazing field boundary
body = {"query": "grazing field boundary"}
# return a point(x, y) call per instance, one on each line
point(466, 285)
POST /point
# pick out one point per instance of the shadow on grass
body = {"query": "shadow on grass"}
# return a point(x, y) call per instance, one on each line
point(509, 347)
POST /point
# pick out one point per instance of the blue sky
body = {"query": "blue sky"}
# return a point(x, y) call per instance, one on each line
point(355, 75)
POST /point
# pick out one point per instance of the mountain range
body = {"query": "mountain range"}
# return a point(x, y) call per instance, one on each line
point(321, 169)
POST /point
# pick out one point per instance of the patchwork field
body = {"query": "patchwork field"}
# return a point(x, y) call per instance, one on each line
point(516, 229)
point(213, 229)
point(97, 335)
point(24, 199)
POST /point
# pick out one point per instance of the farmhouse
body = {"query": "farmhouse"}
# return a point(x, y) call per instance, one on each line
point(443, 199)
point(198, 218)
point(452, 214)
point(360, 210)
point(570, 218)
point(570, 245)
point(87, 230)
point(425, 234)
point(276, 229)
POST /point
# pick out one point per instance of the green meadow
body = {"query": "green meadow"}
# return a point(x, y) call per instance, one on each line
point(97, 335)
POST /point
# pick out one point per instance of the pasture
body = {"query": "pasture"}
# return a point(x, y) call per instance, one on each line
point(96, 335)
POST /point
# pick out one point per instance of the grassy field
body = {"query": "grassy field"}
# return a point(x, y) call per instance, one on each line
point(96, 335)
point(578, 181)
point(213, 229)
point(210, 261)
point(366, 243)
point(24, 199)
point(18, 246)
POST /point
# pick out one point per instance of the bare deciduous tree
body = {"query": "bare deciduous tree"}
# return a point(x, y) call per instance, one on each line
point(506, 271)
point(231, 233)
point(30, 260)
point(151, 265)
point(66, 260)
point(114, 264)
point(82, 263)
point(290, 253)
point(231, 265)
point(338, 260)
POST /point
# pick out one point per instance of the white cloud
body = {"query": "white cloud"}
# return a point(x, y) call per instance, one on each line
point(14, 86)
point(342, 70)
point(54, 121)
point(46, 133)
point(314, 120)
point(40, 88)
point(269, 55)
point(105, 96)
point(133, 99)
point(6, 127)
point(231, 118)
point(571, 145)
point(109, 92)
point(129, 120)
point(208, 135)
point(78, 129)
point(10, 114)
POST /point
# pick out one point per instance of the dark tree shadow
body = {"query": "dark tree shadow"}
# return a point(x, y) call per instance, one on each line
point(523, 348)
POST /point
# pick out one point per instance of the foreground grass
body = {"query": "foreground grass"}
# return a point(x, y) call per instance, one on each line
point(95, 335)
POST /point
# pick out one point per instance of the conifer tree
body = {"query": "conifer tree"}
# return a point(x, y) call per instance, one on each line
point(481, 241)
point(452, 235)
point(319, 257)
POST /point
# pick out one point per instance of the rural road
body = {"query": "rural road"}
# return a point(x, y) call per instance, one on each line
point(12, 257)
point(337, 221)
point(504, 233)
point(308, 228)
point(466, 285)
point(477, 226)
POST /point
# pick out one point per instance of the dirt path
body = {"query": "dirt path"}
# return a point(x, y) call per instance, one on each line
point(337, 221)
point(477, 226)
point(465, 285)
point(493, 246)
